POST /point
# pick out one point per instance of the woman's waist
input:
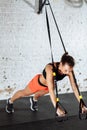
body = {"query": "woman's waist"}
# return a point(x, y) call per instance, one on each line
point(40, 82)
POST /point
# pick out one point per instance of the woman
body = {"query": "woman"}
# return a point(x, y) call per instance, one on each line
point(43, 83)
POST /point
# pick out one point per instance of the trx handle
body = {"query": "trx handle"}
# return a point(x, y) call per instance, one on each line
point(58, 104)
point(82, 116)
point(57, 96)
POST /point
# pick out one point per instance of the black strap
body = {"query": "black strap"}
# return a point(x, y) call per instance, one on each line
point(41, 7)
point(57, 27)
point(81, 100)
point(82, 116)
point(48, 29)
point(54, 73)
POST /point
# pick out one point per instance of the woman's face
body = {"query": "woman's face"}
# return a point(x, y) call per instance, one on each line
point(65, 69)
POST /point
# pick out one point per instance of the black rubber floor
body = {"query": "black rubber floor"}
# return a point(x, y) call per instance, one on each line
point(24, 119)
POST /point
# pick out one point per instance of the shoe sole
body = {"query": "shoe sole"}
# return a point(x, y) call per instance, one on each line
point(7, 109)
point(31, 106)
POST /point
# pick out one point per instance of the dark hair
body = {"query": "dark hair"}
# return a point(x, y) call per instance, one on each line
point(68, 59)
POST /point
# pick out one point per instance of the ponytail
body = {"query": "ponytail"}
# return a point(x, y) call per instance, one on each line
point(67, 59)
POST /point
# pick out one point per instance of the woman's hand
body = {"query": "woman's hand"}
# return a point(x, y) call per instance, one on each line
point(84, 109)
point(60, 112)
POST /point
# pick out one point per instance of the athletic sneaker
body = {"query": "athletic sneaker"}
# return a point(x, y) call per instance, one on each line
point(75, 3)
point(33, 104)
point(9, 107)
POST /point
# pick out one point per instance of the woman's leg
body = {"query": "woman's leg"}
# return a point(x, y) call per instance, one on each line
point(39, 94)
point(21, 93)
point(17, 95)
point(33, 100)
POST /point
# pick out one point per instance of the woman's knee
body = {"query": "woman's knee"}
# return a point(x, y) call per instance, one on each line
point(40, 93)
point(26, 92)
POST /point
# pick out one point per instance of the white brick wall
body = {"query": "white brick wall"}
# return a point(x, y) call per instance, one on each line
point(24, 45)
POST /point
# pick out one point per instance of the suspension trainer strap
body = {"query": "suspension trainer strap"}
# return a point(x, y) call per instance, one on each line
point(57, 27)
point(81, 116)
point(54, 73)
point(48, 28)
point(41, 7)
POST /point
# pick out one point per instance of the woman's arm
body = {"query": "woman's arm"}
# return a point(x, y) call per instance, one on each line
point(75, 90)
point(50, 84)
point(74, 87)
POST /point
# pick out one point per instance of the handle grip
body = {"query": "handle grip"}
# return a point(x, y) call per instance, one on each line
point(82, 116)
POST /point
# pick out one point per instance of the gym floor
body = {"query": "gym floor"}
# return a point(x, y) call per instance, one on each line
point(23, 118)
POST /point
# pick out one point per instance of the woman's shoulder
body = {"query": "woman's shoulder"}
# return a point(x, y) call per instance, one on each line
point(54, 63)
point(50, 66)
